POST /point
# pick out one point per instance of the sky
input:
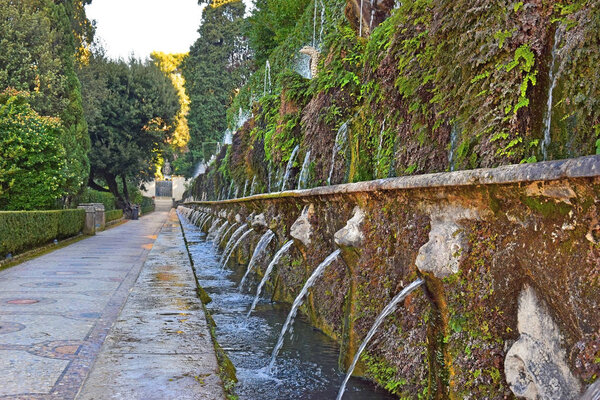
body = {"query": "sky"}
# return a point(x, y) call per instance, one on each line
point(142, 26)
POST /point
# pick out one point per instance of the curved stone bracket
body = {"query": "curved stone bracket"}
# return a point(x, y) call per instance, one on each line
point(535, 365)
point(302, 229)
point(447, 242)
point(259, 222)
point(314, 55)
point(351, 235)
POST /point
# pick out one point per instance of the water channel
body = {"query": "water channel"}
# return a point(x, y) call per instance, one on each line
point(307, 365)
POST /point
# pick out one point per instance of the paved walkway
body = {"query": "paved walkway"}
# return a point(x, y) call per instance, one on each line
point(160, 347)
point(56, 310)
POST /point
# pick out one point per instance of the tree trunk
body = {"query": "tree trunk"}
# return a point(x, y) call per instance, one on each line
point(122, 202)
point(125, 189)
point(94, 185)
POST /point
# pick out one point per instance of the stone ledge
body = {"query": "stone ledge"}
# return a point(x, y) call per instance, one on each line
point(583, 167)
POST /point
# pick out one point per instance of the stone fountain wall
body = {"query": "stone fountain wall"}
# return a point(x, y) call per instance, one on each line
point(511, 257)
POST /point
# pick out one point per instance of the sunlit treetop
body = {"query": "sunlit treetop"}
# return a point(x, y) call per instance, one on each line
point(170, 65)
point(219, 3)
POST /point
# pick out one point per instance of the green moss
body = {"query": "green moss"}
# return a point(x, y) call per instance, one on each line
point(384, 374)
point(547, 207)
point(204, 297)
point(227, 370)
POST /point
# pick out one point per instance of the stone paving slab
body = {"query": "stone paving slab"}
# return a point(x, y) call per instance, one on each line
point(56, 310)
point(160, 346)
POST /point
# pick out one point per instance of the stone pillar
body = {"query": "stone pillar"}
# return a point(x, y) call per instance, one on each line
point(89, 228)
point(100, 216)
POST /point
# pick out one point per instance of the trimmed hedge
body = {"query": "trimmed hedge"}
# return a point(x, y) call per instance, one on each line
point(95, 196)
point(113, 215)
point(147, 209)
point(24, 230)
point(147, 205)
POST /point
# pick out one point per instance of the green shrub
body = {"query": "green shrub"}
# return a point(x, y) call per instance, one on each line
point(147, 209)
point(32, 160)
point(70, 222)
point(24, 230)
point(113, 215)
point(96, 196)
point(147, 205)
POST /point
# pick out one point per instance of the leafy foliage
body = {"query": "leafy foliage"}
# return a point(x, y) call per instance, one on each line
point(170, 65)
point(32, 167)
point(38, 56)
point(271, 22)
point(147, 205)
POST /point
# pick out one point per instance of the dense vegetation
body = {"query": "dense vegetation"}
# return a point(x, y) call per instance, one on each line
point(113, 215)
point(29, 142)
point(40, 41)
point(428, 86)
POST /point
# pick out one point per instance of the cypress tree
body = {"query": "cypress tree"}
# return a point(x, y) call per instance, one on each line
point(212, 73)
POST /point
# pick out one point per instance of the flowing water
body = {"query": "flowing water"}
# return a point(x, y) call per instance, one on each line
point(453, 144)
point(288, 169)
point(340, 142)
point(242, 118)
point(217, 230)
point(213, 227)
point(253, 186)
point(289, 322)
point(231, 189)
point(220, 233)
point(232, 227)
point(302, 66)
point(303, 180)
point(268, 271)
point(307, 366)
point(267, 78)
point(361, 18)
point(204, 220)
point(261, 246)
point(232, 240)
point(322, 25)
point(548, 117)
point(235, 246)
point(390, 308)
point(245, 188)
point(200, 168)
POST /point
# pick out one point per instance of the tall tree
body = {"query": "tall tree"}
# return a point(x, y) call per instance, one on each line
point(131, 109)
point(38, 56)
point(170, 65)
point(212, 71)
